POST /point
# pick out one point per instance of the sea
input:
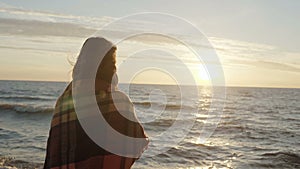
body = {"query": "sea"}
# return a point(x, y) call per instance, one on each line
point(257, 128)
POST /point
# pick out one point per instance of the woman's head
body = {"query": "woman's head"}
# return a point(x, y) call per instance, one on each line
point(94, 49)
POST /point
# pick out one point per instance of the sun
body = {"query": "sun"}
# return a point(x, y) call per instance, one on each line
point(201, 76)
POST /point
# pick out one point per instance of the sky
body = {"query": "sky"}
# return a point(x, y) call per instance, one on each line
point(257, 42)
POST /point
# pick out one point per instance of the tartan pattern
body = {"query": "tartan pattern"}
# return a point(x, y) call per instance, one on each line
point(69, 147)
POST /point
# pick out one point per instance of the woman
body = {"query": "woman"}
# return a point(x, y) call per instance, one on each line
point(68, 144)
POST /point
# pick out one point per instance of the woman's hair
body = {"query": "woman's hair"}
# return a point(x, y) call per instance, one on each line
point(89, 54)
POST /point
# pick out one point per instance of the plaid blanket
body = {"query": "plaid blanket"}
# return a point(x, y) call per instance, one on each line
point(69, 146)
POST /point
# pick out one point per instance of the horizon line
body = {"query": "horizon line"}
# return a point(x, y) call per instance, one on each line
point(236, 86)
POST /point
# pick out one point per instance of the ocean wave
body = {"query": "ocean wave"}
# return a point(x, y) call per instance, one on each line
point(161, 122)
point(289, 155)
point(12, 163)
point(5, 92)
point(281, 159)
point(35, 98)
point(168, 106)
point(9, 134)
point(19, 108)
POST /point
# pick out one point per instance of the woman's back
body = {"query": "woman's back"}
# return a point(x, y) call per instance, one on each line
point(70, 147)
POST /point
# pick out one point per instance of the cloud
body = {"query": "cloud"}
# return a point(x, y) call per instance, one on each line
point(267, 65)
point(277, 66)
point(235, 53)
point(7, 11)
point(17, 21)
point(38, 28)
